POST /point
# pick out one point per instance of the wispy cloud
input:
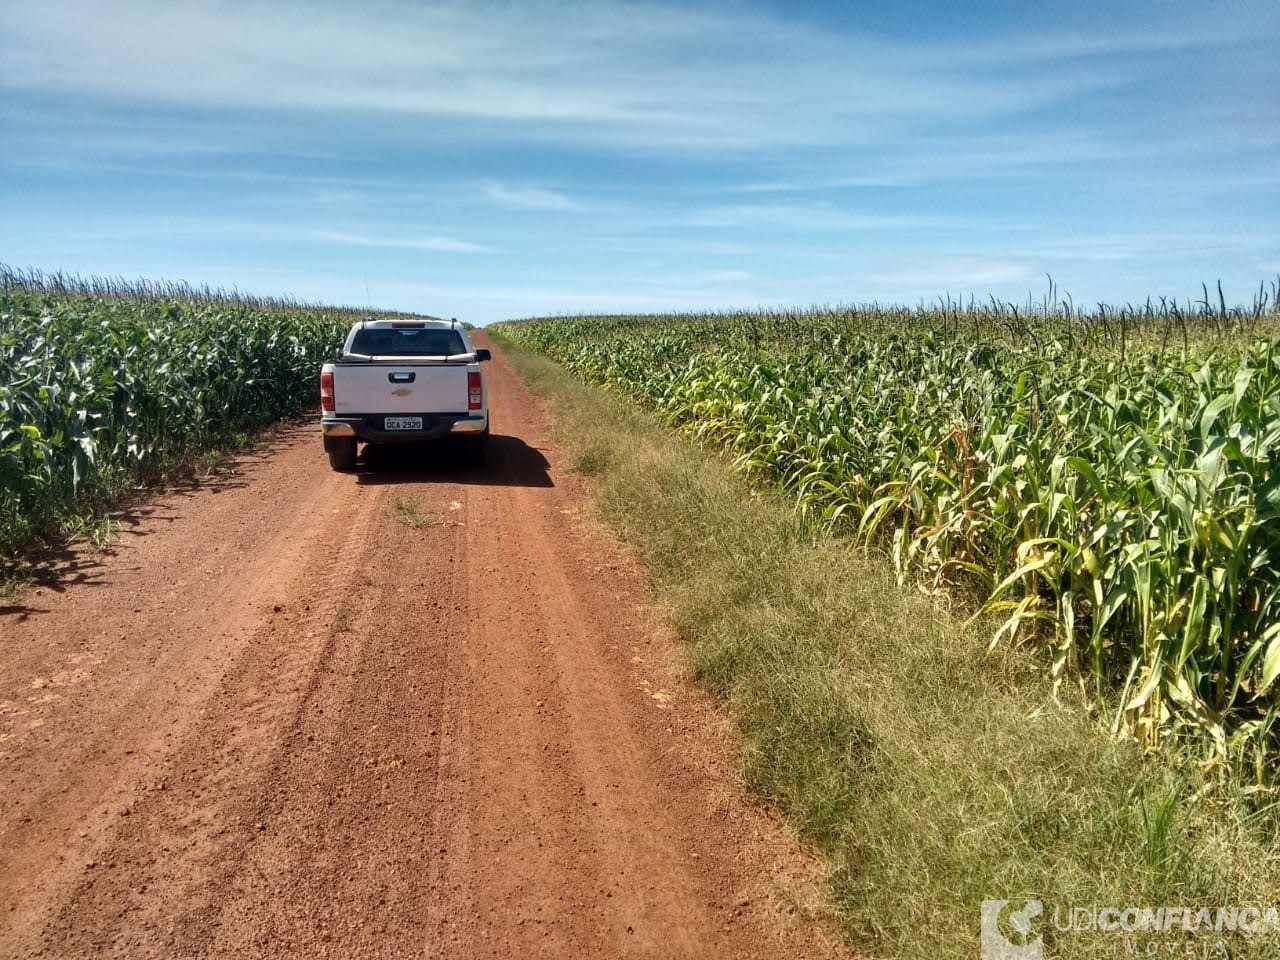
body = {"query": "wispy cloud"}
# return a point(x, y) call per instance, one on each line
point(439, 244)
point(727, 277)
point(131, 228)
point(803, 216)
point(633, 154)
point(928, 158)
point(893, 277)
point(724, 249)
point(528, 198)
point(639, 73)
point(1136, 246)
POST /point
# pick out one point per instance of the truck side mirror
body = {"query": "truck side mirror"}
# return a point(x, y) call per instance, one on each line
point(482, 355)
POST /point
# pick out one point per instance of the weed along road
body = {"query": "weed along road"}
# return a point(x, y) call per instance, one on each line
point(416, 710)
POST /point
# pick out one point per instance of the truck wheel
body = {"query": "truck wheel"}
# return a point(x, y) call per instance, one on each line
point(342, 454)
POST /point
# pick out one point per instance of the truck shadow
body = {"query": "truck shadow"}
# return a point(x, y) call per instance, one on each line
point(512, 463)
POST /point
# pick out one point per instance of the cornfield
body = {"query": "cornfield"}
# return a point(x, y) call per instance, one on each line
point(104, 383)
point(1102, 484)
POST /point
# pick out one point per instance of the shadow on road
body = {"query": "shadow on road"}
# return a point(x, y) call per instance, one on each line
point(59, 566)
point(512, 463)
point(52, 568)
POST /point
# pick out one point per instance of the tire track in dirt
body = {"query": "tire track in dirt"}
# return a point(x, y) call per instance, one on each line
point(420, 710)
point(159, 626)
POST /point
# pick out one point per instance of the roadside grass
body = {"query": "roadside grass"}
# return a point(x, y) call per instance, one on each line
point(409, 512)
point(931, 775)
point(97, 533)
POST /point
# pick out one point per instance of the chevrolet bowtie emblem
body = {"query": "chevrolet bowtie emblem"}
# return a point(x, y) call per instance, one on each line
point(402, 392)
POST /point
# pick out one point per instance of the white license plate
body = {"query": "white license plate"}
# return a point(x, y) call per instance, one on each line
point(402, 423)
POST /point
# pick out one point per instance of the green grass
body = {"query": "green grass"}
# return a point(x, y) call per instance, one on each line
point(409, 512)
point(931, 774)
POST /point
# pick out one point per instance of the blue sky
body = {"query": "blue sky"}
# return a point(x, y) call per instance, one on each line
point(491, 160)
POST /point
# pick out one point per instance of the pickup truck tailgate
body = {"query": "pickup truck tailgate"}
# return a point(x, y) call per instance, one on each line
point(382, 387)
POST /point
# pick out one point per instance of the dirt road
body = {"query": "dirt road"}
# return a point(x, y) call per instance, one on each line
point(415, 711)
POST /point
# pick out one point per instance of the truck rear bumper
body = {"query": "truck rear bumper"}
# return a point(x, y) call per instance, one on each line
point(434, 426)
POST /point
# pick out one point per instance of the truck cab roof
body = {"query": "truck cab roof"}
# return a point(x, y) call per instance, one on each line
point(423, 337)
point(408, 322)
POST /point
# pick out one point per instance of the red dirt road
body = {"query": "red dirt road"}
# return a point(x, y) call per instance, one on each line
point(416, 711)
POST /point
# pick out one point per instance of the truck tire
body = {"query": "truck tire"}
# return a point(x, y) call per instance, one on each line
point(342, 454)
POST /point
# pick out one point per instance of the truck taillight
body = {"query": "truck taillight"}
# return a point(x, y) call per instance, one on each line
point(326, 392)
point(474, 390)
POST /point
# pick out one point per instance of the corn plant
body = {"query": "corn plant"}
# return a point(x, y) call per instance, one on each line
point(104, 384)
point(1105, 482)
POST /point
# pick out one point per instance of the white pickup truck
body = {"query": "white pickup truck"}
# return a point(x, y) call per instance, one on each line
point(404, 381)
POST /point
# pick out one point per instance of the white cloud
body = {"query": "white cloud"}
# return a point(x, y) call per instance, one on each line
point(951, 272)
point(724, 249)
point(695, 138)
point(929, 159)
point(1100, 247)
point(636, 73)
point(111, 230)
point(727, 277)
point(440, 244)
point(528, 198)
point(802, 217)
